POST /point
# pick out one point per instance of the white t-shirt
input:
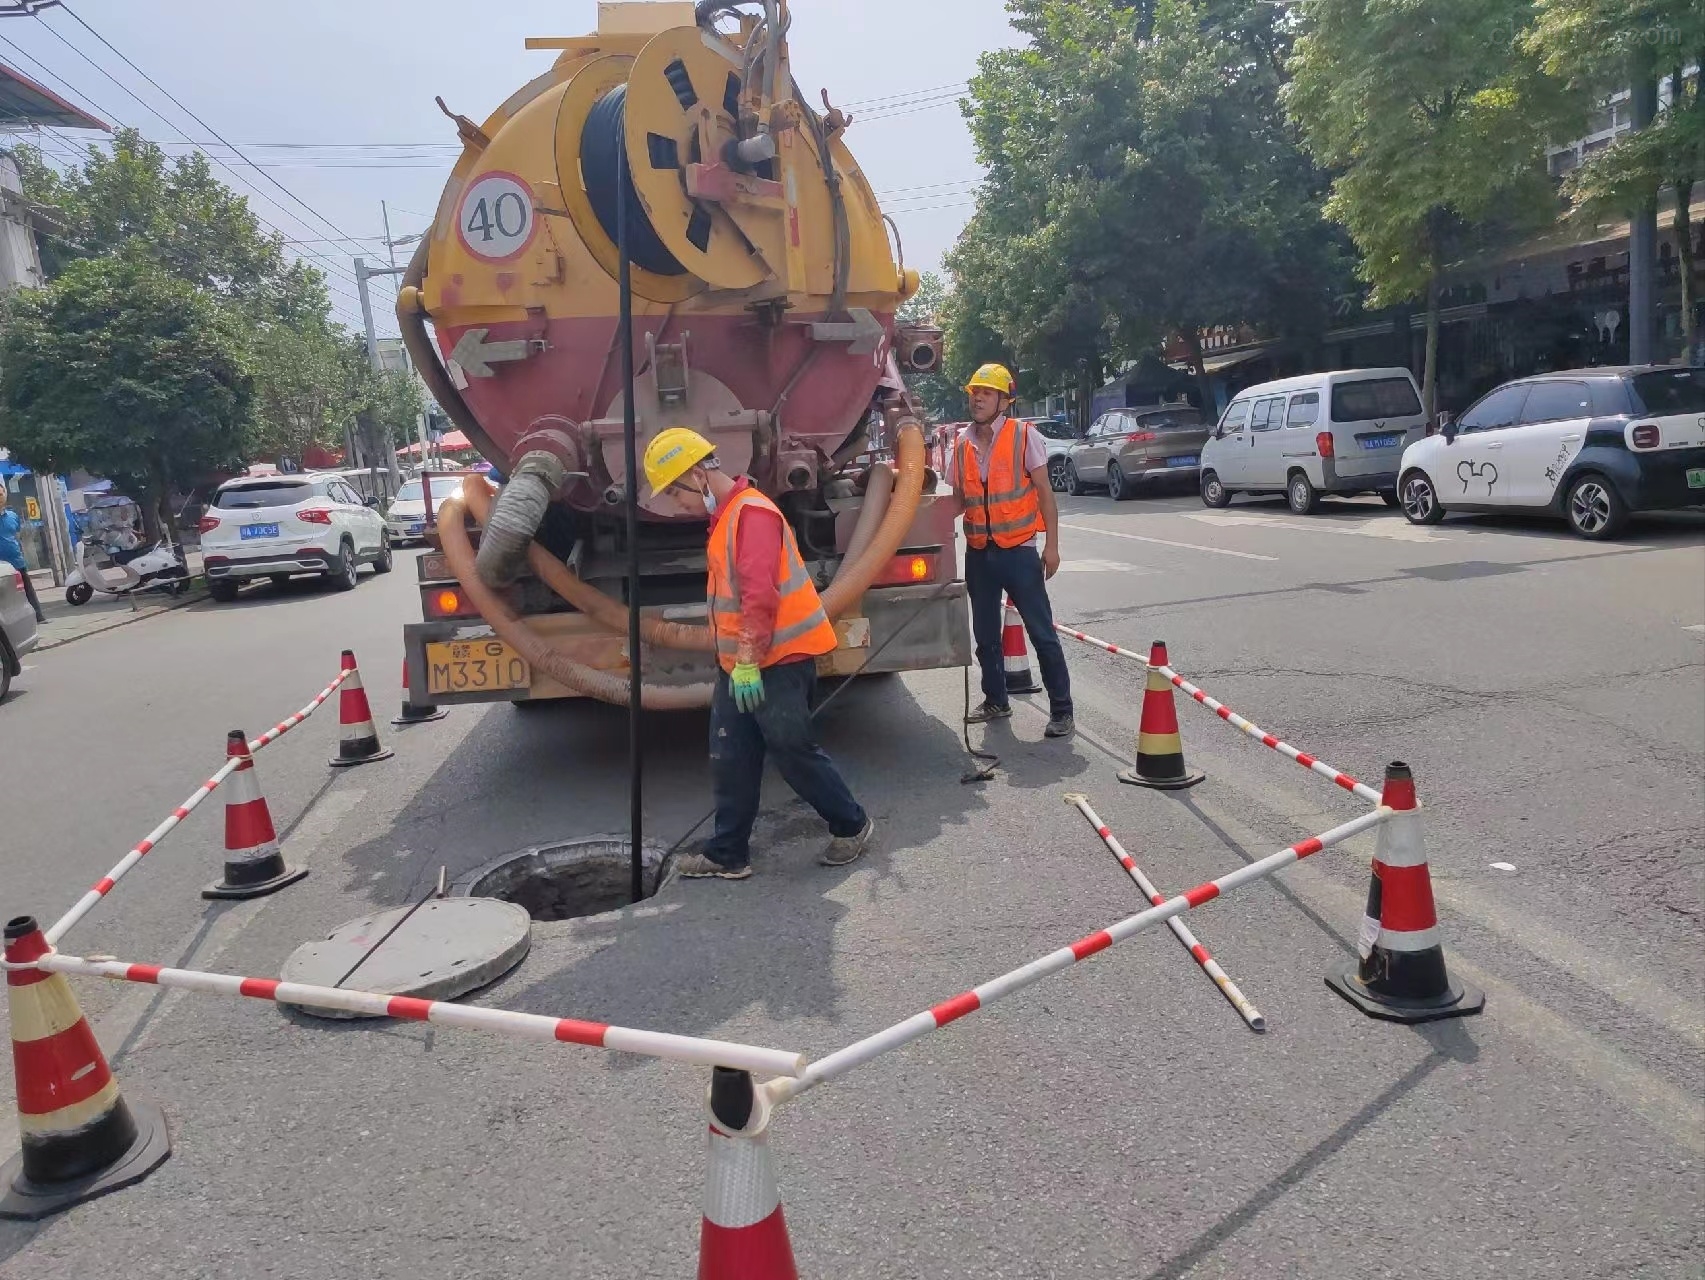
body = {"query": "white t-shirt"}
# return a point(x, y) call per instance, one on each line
point(1035, 454)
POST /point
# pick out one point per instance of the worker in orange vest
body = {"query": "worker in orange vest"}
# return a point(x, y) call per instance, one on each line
point(1000, 482)
point(770, 628)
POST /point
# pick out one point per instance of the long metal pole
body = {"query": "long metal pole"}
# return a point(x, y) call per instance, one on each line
point(630, 447)
point(1643, 220)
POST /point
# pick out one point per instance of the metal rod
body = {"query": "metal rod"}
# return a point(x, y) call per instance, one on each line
point(1231, 717)
point(921, 1024)
point(523, 1026)
point(367, 954)
point(630, 447)
point(104, 886)
point(1248, 1012)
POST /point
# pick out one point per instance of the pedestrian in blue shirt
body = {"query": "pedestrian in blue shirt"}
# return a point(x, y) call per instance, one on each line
point(12, 553)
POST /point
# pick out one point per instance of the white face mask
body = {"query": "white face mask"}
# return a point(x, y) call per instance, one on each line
point(709, 502)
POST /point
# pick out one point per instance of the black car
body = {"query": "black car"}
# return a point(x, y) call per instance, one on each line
point(1589, 445)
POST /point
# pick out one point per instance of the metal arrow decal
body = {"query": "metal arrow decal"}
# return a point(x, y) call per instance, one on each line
point(865, 332)
point(475, 356)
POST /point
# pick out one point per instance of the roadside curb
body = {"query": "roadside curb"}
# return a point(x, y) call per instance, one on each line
point(139, 616)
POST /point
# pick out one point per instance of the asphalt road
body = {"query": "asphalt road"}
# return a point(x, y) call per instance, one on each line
point(1118, 1120)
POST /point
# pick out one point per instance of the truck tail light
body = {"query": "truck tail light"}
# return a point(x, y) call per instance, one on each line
point(907, 569)
point(1139, 437)
point(1646, 436)
point(1323, 442)
point(314, 515)
point(448, 602)
point(207, 524)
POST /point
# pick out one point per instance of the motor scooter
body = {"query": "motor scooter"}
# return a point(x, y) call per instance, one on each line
point(112, 559)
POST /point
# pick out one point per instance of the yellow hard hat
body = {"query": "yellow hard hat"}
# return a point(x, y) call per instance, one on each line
point(672, 453)
point(996, 377)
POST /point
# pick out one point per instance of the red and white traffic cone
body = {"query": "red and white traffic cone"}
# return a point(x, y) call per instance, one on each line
point(743, 1235)
point(1160, 749)
point(416, 712)
point(1019, 677)
point(80, 1138)
point(358, 736)
point(1401, 975)
point(254, 865)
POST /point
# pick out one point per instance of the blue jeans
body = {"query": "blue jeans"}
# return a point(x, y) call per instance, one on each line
point(990, 573)
point(780, 727)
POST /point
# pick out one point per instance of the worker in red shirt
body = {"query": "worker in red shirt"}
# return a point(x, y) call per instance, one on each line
point(770, 627)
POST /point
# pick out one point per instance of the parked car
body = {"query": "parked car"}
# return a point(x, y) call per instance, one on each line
point(17, 627)
point(1589, 445)
point(277, 526)
point(1060, 436)
point(1127, 448)
point(1341, 433)
point(406, 516)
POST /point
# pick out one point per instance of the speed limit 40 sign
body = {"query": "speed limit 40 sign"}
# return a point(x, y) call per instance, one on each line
point(495, 220)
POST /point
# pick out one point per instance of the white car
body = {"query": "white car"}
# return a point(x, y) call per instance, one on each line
point(278, 526)
point(406, 517)
point(1342, 432)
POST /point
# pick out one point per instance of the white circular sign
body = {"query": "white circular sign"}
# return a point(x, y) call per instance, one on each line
point(495, 220)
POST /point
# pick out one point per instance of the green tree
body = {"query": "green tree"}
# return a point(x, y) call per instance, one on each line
point(1143, 181)
point(122, 368)
point(305, 390)
point(387, 404)
point(1435, 115)
point(1601, 46)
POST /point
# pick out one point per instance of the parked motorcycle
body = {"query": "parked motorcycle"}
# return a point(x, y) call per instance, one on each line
point(113, 560)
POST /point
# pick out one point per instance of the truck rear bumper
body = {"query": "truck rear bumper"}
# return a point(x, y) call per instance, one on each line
point(913, 632)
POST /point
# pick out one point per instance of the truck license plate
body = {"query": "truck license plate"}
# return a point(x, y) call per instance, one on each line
point(1696, 478)
point(474, 666)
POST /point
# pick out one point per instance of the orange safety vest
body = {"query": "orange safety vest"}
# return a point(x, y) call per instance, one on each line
point(802, 629)
point(1008, 508)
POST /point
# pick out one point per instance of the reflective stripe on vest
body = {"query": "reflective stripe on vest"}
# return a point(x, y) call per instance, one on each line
point(802, 628)
point(1007, 506)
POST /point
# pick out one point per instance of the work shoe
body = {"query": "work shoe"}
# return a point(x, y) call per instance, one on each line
point(987, 712)
point(698, 866)
point(844, 849)
point(1060, 727)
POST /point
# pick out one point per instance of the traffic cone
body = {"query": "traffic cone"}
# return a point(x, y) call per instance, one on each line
point(358, 737)
point(80, 1138)
point(254, 867)
point(416, 712)
point(743, 1235)
point(1019, 677)
point(1401, 975)
point(1160, 751)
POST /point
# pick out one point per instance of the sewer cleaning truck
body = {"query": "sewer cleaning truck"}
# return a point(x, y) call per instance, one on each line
point(765, 283)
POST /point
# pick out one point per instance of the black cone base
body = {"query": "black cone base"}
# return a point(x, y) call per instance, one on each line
point(1459, 1000)
point(412, 714)
point(259, 889)
point(343, 762)
point(30, 1201)
point(1023, 686)
point(1136, 779)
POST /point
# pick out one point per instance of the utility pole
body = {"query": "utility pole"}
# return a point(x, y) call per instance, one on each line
point(362, 274)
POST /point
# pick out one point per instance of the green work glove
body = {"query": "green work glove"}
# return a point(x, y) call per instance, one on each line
point(748, 682)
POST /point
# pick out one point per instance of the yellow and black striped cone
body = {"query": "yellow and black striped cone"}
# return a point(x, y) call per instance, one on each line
point(1160, 750)
point(80, 1138)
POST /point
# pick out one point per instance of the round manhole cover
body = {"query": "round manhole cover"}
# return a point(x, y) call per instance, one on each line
point(568, 880)
point(447, 948)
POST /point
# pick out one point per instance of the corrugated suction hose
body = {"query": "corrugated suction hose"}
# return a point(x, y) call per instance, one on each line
point(458, 550)
point(513, 520)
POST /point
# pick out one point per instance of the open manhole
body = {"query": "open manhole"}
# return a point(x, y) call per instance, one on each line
point(568, 880)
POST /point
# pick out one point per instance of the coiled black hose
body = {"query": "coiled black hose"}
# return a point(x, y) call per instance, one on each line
point(604, 132)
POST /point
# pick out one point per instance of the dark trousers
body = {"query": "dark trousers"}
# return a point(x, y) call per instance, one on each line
point(781, 728)
point(29, 585)
point(990, 573)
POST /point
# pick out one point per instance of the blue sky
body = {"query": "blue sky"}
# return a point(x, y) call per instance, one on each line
point(307, 74)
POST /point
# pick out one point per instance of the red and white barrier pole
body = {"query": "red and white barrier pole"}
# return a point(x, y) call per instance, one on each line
point(840, 1062)
point(1231, 717)
point(104, 885)
point(1248, 1012)
point(522, 1026)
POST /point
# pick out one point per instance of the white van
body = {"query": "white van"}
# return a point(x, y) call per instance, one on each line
point(1341, 432)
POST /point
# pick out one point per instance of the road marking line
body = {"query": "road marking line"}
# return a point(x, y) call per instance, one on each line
point(1162, 542)
point(1392, 529)
point(1101, 566)
point(1700, 628)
